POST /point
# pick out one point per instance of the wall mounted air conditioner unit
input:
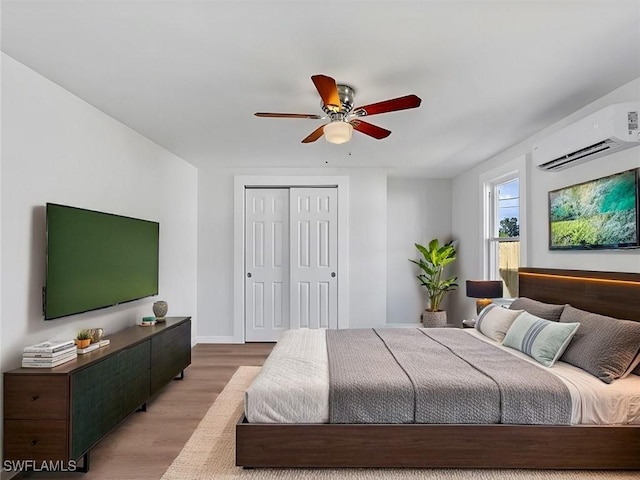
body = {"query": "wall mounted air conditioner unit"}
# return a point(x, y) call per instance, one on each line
point(609, 130)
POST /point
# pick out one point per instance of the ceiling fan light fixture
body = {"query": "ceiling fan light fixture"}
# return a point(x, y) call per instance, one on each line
point(338, 132)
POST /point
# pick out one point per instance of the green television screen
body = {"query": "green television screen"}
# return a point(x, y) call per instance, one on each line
point(97, 260)
point(599, 214)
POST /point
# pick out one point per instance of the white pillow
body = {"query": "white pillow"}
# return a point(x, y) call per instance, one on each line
point(632, 367)
point(494, 321)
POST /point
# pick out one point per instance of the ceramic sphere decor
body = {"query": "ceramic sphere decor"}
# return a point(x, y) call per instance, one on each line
point(96, 334)
point(160, 309)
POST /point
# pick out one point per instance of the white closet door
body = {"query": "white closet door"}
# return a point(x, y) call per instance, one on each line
point(266, 264)
point(313, 258)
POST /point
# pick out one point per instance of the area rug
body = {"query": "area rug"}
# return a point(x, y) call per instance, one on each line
point(210, 454)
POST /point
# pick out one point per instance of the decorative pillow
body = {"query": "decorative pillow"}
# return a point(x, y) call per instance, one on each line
point(494, 321)
point(605, 346)
point(542, 340)
point(548, 311)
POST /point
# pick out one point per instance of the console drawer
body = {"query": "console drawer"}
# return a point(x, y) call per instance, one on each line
point(36, 397)
point(36, 440)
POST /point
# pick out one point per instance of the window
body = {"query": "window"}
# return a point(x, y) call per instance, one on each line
point(503, 239)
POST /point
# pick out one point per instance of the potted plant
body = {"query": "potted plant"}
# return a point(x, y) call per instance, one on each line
point(435, 258)
point(83, 338)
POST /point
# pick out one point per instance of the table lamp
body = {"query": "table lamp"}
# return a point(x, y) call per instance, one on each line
point(484, 291)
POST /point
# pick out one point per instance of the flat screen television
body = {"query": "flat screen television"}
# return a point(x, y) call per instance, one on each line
point(599, 214)
point(96, 260)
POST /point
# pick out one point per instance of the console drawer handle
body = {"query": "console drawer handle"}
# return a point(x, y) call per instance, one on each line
point(33, 443)
point(34, 397)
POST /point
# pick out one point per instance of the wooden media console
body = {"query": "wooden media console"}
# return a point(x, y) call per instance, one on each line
point(59, 414)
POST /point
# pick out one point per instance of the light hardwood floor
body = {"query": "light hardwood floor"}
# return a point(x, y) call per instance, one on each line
point(144, 445)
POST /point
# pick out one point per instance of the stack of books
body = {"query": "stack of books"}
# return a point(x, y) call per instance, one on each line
point(49, 354)
point(148, 321)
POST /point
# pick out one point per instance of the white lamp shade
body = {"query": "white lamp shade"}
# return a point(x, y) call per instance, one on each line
point(338, 132)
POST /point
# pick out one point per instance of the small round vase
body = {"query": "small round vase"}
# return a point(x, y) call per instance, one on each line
point(96, 334)
point(160, 309)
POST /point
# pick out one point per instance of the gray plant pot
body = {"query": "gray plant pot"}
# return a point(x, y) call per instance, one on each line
point(434, 319)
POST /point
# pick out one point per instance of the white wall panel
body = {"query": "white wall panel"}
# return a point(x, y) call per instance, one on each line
point(304, 243)
point(258, 244)
point(278, 244)
point(304, 305)
point(417, 211)
point(258, 205)
point(304, 204)
point(57, 148)
point(467, 213)
point(323, 304)
point(277, 303)
point(258, 305)
point(278, 205)
point(323, 243)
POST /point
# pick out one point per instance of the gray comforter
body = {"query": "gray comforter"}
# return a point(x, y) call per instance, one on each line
point(436, 375)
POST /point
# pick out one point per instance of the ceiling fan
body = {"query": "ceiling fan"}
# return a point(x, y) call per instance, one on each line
point(337, 103)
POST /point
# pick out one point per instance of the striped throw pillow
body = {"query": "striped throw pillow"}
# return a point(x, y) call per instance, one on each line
point(494, 321)
point(542, 340)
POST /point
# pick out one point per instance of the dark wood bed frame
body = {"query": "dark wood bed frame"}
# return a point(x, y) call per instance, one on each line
point(467, 446)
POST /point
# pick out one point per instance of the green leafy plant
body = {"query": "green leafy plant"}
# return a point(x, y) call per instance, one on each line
point(509, 228)
point(435, 258)
point(84, 335)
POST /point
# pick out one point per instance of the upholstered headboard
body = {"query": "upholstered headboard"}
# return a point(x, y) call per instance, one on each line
point(608, 293)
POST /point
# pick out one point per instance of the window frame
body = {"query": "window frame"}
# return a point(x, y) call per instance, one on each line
point(489, 182)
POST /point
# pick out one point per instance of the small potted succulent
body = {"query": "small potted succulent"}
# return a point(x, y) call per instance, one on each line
point(83, 338)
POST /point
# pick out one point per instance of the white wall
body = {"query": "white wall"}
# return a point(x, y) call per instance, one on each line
point(367, 245)
point(57, 148)
point(1, 264)
point(418, 210)
point(467, 213)
point(606, 260)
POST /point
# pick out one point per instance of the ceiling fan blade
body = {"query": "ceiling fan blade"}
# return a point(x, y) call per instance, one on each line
point(328, 91)
point(287, 115)
point(400, 103)
point(315, 135)
point(369, 129)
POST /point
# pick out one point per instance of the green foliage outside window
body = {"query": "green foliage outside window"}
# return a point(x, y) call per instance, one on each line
point(509, 228)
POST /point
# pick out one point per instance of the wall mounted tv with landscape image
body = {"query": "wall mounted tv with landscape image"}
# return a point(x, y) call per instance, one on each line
point(96, 260)
point(598, 214)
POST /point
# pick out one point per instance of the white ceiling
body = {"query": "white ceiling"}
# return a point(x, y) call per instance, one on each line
point(190, 74)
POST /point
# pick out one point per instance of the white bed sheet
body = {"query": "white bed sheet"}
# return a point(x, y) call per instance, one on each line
point(293, 385)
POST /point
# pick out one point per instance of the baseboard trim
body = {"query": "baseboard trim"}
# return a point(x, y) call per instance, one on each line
point(402, 325)
point(226, 339)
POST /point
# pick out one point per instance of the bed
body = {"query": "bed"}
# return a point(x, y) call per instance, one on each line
point(574, 439)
